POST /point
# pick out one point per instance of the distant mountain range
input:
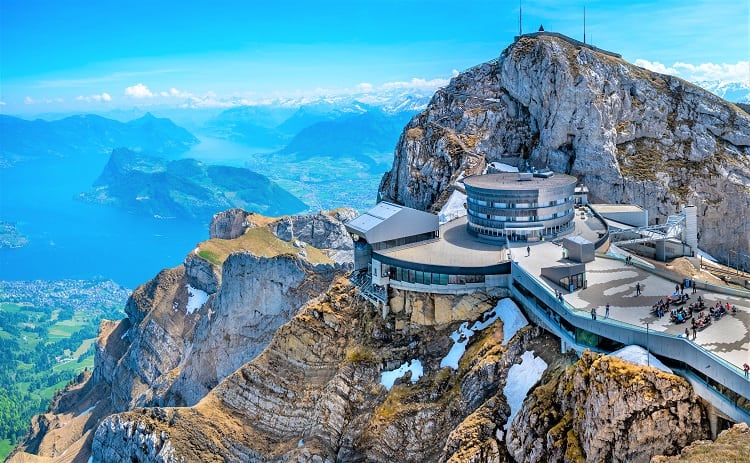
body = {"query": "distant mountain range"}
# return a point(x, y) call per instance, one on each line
point(24, 140)
point(736, 92)
point(352, 134)
point(185, 189)
point(337, 124)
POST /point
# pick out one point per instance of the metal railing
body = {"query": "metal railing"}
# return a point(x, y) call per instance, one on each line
point(676, 348)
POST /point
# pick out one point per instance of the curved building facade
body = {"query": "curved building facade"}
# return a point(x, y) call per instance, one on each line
point(521, 207)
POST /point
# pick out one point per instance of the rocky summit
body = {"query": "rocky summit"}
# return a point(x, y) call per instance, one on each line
point(630, 135)
point(259, 349)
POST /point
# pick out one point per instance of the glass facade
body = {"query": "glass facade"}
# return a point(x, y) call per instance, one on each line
point(500, 206)
point(428, 278)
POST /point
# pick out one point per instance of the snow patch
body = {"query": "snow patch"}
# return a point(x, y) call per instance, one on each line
point(453, 208)
point(387, 378)
point(640, 356)
point(88, 410)
point(196, 299)
point(502, 167)
point(520, 379)
point(513, 320)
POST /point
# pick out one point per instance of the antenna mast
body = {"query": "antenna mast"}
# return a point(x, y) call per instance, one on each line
point(584, 24)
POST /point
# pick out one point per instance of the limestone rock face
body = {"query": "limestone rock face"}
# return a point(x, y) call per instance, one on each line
point(229, 224)
point(160, 334)
point(313, 395)
point(258, 295)
point(732, 445)
point(604, 409)
point(201, 274)
point(629, 134)
point(324, 230)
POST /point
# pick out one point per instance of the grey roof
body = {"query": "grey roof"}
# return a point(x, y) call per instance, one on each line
point(510, 181)
point(558, 272)
point(387, 221)
point(577, 239)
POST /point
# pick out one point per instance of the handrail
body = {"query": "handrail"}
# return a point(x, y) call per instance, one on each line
point(665, 345)
point(671, 276)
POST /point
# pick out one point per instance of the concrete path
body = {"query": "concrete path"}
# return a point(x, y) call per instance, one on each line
point(612, 282)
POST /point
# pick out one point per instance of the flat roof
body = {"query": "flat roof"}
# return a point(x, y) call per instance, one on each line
point(387, 221)
point(606, 208)
point(510, 181)
point(455, 248)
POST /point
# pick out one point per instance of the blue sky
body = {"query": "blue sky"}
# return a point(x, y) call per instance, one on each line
point(76, 55)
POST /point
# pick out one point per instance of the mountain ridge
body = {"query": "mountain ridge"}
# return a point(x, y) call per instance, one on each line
point(185, 188)
point(87, 135)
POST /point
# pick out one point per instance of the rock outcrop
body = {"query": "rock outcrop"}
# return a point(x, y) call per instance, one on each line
point(731, 446)
point(629, 134)
point(324, 230)
point(229, 224)
point(606, 409)
point(193, 325)
point(313, 395)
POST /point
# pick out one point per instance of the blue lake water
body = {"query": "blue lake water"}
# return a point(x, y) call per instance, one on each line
point(69, 238)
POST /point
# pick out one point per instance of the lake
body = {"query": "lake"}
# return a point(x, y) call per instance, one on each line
point(69, 238)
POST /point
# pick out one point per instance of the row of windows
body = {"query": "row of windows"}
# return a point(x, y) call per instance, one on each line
point(519, 205)
point(533, 212)
point(429, 278)
point(513, 235)
point(533, 218)
point(403, 241)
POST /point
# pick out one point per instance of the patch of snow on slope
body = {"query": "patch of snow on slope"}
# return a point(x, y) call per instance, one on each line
point(639, 356)
point(387, 378)
point(520, 379)
point(196, 299)
point(502, 167)
point(513, 320)
point(453, 208)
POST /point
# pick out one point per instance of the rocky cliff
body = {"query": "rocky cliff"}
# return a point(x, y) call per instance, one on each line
point(629, 134)
point(605, 409)
point(193, 325)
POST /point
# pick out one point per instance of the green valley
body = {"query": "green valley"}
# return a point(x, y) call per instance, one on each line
point(47, 335)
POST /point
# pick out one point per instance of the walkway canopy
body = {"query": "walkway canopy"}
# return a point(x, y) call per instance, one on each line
point(387, 222)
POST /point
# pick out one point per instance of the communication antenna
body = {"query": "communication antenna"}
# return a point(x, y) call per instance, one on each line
point(584, 24)
point(520, 11)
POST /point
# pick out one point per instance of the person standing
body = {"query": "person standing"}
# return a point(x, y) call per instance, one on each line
point(528, 251)
point(638, 289)
point(695, 331)
point(593, 313)
point(746, 367)
point(606, 311)
point(687, 333)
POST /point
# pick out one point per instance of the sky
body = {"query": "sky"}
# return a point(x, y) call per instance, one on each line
point(71, 55)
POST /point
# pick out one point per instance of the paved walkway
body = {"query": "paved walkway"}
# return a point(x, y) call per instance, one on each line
point(611, 281)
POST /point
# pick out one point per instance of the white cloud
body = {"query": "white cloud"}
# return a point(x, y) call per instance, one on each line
point(138, 91)
point(106, 97)
point(364, 87)
point(28, 100)
point(2, 103)
point(416, 84)
point(704, 72)
point(655, 66)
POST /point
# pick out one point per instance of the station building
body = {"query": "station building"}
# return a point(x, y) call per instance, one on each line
point(520, 206)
